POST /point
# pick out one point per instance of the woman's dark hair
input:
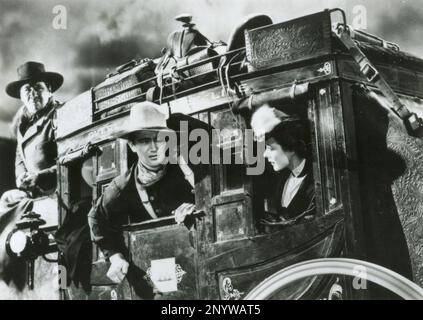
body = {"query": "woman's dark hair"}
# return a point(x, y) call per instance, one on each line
point(292, 136)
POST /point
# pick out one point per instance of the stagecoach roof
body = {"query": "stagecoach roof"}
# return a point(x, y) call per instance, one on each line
point(403, 59)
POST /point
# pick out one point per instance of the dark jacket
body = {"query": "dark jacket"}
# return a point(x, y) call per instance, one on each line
point(74, 242)
point(36, 147)
point(120, 204)
point(303, 202)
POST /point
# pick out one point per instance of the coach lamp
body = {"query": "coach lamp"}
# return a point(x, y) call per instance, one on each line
point(28, 242)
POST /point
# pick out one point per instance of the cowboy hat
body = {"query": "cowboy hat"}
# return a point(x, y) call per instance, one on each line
point(144, 116)
point(33, 71)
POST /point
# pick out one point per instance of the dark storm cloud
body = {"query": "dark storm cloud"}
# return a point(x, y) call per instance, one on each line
point(99, 37)
point(405, 25)
point(93, 53)
point(86, 80)
point(8, 28)
point(18, 34)
point(116, 34)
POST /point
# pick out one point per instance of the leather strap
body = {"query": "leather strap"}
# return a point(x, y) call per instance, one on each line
point(150, 94)
point(145, 200)
point(413, 123)
point(186, 170)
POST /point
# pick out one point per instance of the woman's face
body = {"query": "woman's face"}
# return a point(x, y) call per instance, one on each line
point(150, 149)
point(278, 158)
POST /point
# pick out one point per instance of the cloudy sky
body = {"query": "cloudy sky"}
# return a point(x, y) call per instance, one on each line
point(100, 36)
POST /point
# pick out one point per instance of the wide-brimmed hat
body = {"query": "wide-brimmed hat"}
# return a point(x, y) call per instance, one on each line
point(265, 119)
point(33, 71)
point(144, 116)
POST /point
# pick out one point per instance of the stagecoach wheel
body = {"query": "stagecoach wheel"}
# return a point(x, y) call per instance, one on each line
point(386, 278)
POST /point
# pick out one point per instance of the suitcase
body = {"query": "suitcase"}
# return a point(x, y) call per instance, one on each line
point(123, 88)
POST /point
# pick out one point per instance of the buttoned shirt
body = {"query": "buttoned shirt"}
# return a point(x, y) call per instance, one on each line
point(292, 185)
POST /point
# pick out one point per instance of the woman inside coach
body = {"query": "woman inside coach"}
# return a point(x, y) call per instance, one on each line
point(291, 197)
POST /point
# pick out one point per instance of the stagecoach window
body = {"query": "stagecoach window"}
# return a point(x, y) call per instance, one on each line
point(109, 160)
point(284, 195)
point(227, 151)
point(81, 180)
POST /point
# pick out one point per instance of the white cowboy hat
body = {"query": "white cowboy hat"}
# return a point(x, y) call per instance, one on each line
point(144, 116)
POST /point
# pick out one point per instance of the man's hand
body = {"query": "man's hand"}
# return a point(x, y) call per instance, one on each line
point(183, 210)
point(20, 179)
point(118, 269)
point(27, 181)
point(12, 196)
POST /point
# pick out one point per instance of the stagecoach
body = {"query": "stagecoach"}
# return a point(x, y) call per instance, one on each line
point(367, 166)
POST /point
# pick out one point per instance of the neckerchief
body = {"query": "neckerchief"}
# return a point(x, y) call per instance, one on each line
point(147, 177)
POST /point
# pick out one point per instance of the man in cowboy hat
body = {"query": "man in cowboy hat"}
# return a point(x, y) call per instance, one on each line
point(292, 195)
point(34, 127)
point(35, 153)
point(150, 189)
